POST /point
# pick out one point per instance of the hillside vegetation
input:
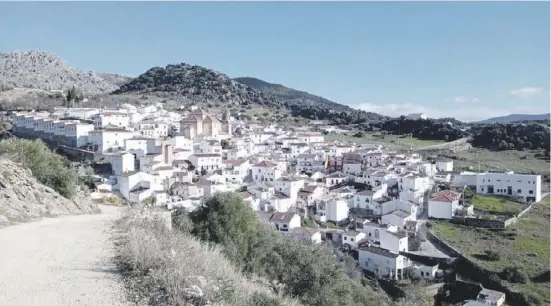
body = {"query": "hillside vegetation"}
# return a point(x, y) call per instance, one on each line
point(46, 166)
point(259, 267)
point(511, 137)
point(24, 198)
point(292, 96)
point(196, 83)
point(174, 268)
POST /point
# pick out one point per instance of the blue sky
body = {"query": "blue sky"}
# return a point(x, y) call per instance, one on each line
point(470, 60)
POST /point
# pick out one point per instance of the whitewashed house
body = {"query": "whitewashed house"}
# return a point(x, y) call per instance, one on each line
point(310, 235)
point(444, 204)
point(332, 210)
point(284, 221)
point(399, 205)
point(122, 162)
point(289, 186)
point(266, 171)
point(398, 218)
point(383, 263)
point(236, 170)
point(109, 139)
point(206, 161)
point(524, 187)
point(444, 165)
point(351, 238)
point(111, 118)
point(335, 178)
point(211, 146)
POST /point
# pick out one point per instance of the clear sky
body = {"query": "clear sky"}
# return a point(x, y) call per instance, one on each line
point(469, 60)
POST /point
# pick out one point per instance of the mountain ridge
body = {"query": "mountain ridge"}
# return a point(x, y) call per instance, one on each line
point(515, 117)
point(285, 93)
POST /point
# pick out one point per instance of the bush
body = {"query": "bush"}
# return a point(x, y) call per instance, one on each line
point(46, 166)
point(514, 275)
point(306, 272)
point(492, 255)
point(177, 269)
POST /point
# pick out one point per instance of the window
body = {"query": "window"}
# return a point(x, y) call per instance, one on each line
point(345, 238)
point(531, 191)
point(519, 191)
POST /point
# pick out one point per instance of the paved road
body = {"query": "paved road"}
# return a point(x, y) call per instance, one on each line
point(61, 261)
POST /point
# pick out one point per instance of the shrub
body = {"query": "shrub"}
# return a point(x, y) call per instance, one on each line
point(492, 255)
point(514, 275)
point(175, 268)
point(46, 166)
point(306, 272)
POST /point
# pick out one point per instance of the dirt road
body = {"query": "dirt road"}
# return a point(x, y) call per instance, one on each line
point(61, 261)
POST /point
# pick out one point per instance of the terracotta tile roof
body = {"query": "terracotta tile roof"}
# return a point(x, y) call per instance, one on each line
point(446, 196)
point(282, 217)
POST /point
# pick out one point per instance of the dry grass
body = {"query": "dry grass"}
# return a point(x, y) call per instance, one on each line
point(171, 268)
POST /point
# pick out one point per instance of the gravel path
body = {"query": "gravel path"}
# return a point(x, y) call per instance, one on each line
point(60, 261)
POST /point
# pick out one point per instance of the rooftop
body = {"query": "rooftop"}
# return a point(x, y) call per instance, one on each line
point(282, 217)
point(379, 251)
point(446, 196)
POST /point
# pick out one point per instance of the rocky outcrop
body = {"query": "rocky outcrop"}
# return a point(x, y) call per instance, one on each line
point(45, 70)
point(23, 198)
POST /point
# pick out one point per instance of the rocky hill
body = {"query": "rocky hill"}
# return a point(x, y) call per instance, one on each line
point(23, 198)
point(197, 84)
point(45, 70)
point(291, 95)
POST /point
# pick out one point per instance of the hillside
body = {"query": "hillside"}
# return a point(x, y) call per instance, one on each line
point(197, 84)
point(516, 117)
point(23, 198)
point(291, 95)
point(45, 70)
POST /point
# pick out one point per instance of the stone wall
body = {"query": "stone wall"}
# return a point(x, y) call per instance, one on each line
point(441, 245)
point(479, 222)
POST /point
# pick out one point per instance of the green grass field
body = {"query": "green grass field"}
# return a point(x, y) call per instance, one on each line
point(393, 141)
point(496, 204)
point(518, 161)
point(524, 245)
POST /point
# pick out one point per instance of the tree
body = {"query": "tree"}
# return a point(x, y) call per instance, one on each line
point(224, 219)
point(225, 144)
point(468, 193)
point(307, 272)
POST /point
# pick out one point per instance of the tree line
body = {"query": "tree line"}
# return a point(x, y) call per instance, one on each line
point(512, 136)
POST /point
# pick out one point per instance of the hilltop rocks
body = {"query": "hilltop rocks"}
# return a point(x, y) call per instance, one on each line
point(23, 198)
point(44, 70)
point(195, 83)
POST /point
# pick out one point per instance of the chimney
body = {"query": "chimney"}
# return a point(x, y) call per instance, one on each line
point(167, 151)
